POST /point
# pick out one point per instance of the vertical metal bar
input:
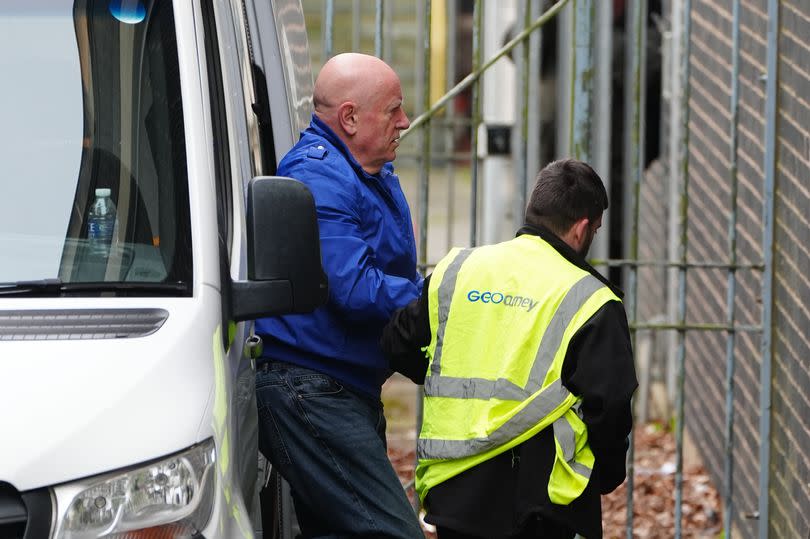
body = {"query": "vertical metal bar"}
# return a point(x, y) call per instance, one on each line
point(728, 469)
point(387, 39)
point(603, 73)
point(634, 106)
point(771, 96)
point(533, 150)
point(424, 163)
point(582, 80)
point(328, 29)
point(634, 163)
point(684, 213)
point(356, 22)
point(676, 124)
point(603, 77)
point(565, 73)
point(450, 116)
point(478, 18)
point(420, 83)
point(520, 131)
point(379, 28)
point(424, 170)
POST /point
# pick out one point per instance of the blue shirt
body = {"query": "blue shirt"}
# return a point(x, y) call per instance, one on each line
point(369, 256)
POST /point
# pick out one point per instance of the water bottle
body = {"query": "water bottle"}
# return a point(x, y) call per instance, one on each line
point(101, 223)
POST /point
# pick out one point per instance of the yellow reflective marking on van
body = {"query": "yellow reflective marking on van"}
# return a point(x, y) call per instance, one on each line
point(225, 452)
point(220, 392)
point(222, 431)
point(231, 332)
point(241, 521)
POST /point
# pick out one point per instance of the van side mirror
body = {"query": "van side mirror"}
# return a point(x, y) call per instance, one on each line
point(285, 275)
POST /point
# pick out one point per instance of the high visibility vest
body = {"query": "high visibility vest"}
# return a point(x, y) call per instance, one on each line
point(501, 319)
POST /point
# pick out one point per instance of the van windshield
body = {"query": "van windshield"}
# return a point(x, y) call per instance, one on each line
point(93, 176)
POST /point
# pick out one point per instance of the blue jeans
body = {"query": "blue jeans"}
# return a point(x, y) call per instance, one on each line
point(329, 444)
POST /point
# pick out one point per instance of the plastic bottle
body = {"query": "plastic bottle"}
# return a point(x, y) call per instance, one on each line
point(101, 223)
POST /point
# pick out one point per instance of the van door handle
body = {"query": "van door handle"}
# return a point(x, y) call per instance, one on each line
point(253, 347)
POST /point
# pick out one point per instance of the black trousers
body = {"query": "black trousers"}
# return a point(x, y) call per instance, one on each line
point(538, 528)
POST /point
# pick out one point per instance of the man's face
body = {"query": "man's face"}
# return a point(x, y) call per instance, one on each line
point(593, 226)
point(380, 121)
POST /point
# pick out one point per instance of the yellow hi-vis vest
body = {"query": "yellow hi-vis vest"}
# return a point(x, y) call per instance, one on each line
point(501, 318)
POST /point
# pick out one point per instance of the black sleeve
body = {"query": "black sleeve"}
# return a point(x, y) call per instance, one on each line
point(599, 367)
point(405, 335)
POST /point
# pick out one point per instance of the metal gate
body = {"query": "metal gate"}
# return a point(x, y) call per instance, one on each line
point(682, 231)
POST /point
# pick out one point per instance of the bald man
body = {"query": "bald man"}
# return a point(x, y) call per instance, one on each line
point(318, 381)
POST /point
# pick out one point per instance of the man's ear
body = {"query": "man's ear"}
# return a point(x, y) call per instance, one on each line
point(579, 232)
point(347, 116)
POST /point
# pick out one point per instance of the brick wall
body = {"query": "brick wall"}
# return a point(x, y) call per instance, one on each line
point(709, 211)
point(790, 473)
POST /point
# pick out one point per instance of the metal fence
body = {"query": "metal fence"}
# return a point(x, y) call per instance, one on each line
point(694, 234)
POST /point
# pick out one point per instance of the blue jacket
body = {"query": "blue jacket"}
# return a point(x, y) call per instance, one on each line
point(369, 256)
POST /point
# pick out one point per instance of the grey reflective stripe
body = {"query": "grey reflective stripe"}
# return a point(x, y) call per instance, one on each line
point(577, 408)
point(580, 469)
point(446, 289)
point(567, 439)
point(553, 336)
point(540, 407)
point(474, 388)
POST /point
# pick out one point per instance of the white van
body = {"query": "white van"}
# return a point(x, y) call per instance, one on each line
point(126, 386)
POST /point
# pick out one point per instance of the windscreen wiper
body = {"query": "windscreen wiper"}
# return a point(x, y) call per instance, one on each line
point(53, 288)
point(38, 288)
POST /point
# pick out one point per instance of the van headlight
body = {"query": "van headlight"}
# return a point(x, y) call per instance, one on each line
point(169, 498)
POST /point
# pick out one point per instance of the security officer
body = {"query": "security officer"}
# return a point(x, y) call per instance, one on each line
point(524, 352)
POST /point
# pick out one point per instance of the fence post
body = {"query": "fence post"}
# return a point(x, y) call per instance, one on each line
point(768, 209)
point(475, 112)
point(582, 80)
point(683, 206)
point(633, 166)
point(728, 470)
point(328, 29)
point(602, 116)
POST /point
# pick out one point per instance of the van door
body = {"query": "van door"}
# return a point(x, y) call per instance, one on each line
point(260, 97)
point(236, 160)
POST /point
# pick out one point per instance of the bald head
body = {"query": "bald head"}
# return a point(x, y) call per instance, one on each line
point(360, 98)
point(349, 76)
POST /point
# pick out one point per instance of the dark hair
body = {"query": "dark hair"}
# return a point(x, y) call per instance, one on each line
point(566, 191)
